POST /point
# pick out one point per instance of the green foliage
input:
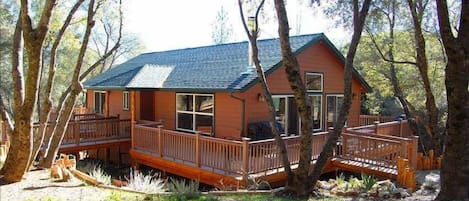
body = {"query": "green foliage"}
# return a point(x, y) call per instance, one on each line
point(340, 179)
point(368, 181)
point(183, 190)
point(117, 195)
point(145, 183)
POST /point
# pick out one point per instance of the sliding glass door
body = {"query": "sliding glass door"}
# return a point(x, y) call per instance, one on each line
point(286, 114)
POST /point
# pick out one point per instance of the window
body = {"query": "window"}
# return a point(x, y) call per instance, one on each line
point(314, 82)
point(316, 111)
point(99, 101)
point(286, 115)
point(125, 100)
point(194, 112)
point(334, 103)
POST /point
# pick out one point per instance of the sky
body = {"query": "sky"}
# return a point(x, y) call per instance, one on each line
point(175, 24)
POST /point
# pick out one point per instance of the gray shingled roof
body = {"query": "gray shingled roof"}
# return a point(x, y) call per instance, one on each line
point(210, 68)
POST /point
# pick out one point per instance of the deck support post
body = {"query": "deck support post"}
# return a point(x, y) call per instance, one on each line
point(245, 158)
point(76, 130)
point(376, 123)
point(413, 149)
point(160, 144)
point(132, 118)
point(197, 148)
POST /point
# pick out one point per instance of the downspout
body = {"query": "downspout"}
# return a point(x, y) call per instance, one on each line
point(243, 112)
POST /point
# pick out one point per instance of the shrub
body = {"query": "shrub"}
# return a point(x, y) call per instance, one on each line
point(145, 183)
point(184, 191)
point(368, 181)
point(100, 175)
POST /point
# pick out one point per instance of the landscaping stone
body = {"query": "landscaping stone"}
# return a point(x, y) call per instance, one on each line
point(326, 185)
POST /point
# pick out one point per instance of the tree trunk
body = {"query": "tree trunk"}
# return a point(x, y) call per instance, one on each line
point(359, 17)
point(422, 65)
point(455, 167)
point(44, 115)
point(252, 35)
point(66, 110)
point(300, 183)
point(25, 92)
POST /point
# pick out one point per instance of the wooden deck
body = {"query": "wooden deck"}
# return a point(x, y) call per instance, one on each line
point(91, 132)
point(219, 162)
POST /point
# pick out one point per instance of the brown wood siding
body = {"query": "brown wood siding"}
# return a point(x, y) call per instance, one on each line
point(165, 102)
point(317, 58)
point(116, 105)
point(228, 115)
point(147, 100)
point(89, 99)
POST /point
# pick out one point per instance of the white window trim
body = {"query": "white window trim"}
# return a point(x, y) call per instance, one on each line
point(326, 112)
point(94, 99)
point(125, 99)
point(321, 118)
point(322, 81)
point(287, 110)
point(194, 113)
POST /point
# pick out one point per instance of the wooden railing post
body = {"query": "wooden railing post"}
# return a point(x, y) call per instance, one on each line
point(344, 145)
point(376, 123)
point(197, 148)
point(400, 127)
point(413, 149)
point(160, 143)
point(132, 134)
point(76, 131)
point(245, 158)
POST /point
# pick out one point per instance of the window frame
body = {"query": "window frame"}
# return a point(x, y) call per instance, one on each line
point(194, 113)
point(103, 104)
point(337, 110)
point(322, 82)
point(321, 111)
point(125, 100)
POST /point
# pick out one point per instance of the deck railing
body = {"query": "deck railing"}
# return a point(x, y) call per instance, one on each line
point(86, 131)
point(371, 119)
point(393, 128)
point(219, 155)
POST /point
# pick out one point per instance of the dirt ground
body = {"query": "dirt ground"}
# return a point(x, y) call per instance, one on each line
point(37, 185)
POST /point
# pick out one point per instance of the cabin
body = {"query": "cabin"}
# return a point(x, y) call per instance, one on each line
point(199, 113)
point(214, 90)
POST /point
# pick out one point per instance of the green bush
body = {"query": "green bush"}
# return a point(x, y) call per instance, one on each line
point(100, 175)
point(368, 181)
point(184, 190)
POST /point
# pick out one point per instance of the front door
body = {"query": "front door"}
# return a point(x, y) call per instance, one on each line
point(147, 105)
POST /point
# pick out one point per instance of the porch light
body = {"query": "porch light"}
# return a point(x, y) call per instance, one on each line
point(260, 97)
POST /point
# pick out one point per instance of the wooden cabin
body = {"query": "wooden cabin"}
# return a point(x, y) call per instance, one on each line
point(215, 90)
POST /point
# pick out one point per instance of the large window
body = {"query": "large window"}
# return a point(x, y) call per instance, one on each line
point(194, 112)
point(334, 103)
point(99, 101)
point(316, 111)
point(314, 82)
point(125, 100)
point(286, 115)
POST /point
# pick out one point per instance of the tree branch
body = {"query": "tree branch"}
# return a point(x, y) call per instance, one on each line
point(381, 54)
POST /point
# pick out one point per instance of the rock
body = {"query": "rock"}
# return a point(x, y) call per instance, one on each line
point(404, 193)
point(351, 192)
point(264, 185)
point(326, 185)
point(384, 194)
point(432, 181)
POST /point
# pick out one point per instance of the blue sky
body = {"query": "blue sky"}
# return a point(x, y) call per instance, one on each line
point(165, 25)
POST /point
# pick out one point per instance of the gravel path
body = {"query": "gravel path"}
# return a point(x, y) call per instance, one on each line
point(38, 186)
